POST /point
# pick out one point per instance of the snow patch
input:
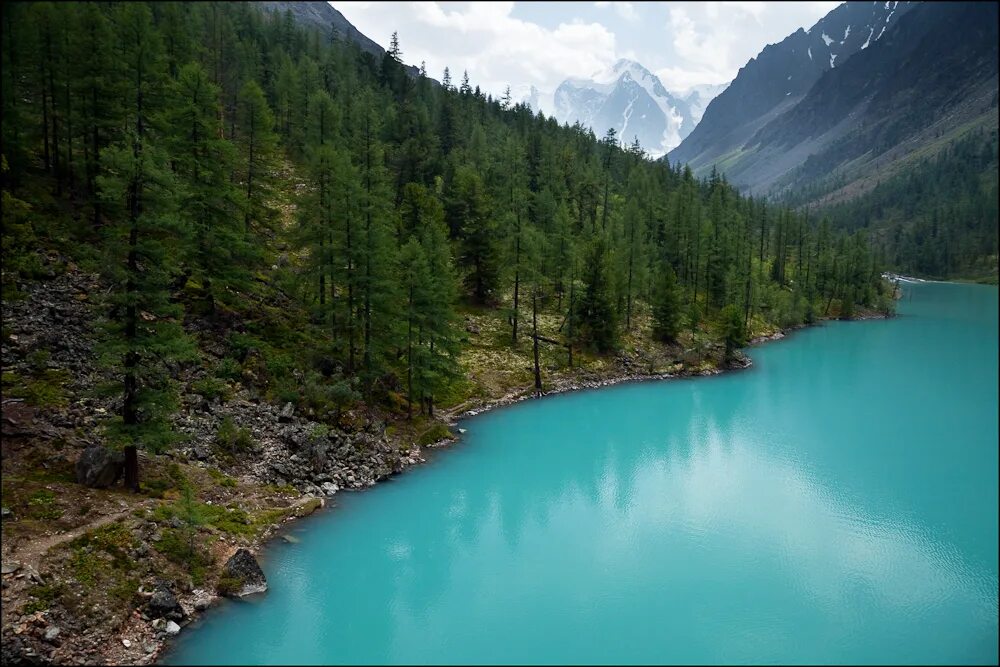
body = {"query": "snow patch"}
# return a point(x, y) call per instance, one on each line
point(810, 52)
point(827, 39)
point(868, 41)
point(846, 33)
point(626, 115)
point(833, 56)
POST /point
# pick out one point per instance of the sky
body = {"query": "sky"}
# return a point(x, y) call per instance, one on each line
point(544, 43)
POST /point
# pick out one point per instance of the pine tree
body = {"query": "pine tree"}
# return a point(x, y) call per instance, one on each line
point(210, 203)
point(667, 306)
point(598, 318)
point(257, 155)
point(143, 333)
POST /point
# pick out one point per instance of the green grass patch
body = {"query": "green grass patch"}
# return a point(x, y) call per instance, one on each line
point(221, 478)
point(43, 596)
point(434, 434)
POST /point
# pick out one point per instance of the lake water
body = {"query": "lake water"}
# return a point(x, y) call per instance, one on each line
point(835, 503)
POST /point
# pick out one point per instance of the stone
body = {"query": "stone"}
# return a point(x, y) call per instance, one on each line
point(329, 488)
point(51, 633)
point(127, 643)
point(10, 568)
point(148, 647)
point(286, 413)
point(99, 467)
point(243, 566)
point(202, 600)
point(6, 512)
point(290, 539)
point(172, 628)
point(201, 451)
point(163, 604)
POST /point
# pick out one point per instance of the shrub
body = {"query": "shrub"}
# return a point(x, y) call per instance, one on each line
point(231, 438)
point(434, 434)
point(211, 388)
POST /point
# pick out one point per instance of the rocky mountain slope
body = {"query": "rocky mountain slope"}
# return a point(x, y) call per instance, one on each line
point(317, 13)
point(930, 79)
point(780, 77)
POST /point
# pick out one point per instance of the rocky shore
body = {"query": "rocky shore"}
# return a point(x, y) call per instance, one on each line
point(288, 462)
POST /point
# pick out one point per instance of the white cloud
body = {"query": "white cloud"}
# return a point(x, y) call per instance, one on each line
point(626, 10)
point(712, 40)
point(684, 43)
point(483, 38)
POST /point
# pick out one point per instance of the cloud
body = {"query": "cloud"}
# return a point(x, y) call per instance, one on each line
point(712, 40)
point(542, 44)
point(484, 38)
point(626, 10)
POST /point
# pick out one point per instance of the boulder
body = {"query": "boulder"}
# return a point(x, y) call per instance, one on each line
point(172, 628)
point(286, 413)
point(329, 488)
point(99, 467)
point(163, 604)
point(243, 567)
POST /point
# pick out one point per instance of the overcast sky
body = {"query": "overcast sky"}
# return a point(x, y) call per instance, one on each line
point(543, 43)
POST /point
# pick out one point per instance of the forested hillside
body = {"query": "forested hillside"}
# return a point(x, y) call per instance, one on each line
point(284, 210)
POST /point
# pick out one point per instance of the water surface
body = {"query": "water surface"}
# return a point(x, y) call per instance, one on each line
point(835, 503)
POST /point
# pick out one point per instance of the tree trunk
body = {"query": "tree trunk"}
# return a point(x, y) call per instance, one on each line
point(534, 332)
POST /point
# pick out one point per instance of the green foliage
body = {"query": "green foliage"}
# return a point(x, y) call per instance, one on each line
point(43, 596)
point(324, 213)
point(435, 433)
point(221, 478)
point(667, 306)
point(732, 330)
point(211, 388)
point(232, 439)
point(102, 554)
point(598, 317)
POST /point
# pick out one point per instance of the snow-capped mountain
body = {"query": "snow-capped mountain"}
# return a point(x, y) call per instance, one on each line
point(698, 97)
point(628, 98)
point(781, 75)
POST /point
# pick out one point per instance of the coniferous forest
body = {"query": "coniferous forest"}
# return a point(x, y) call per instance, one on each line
point(253, 264)
point(317, 222)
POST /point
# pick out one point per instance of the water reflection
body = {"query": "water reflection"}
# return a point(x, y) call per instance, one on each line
point(797, 512)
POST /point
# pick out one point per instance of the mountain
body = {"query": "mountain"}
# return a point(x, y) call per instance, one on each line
point(911, 89)
point(322, 15)
point(628, 98)
point(779, 77)
point(699, 97)
point(929, 79)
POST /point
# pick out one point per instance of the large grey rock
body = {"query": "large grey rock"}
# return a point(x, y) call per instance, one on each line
point(99, 467)
point(163, 604)
point(243, 566)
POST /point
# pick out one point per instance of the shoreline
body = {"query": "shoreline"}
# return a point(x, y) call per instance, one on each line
point(274, 532)
point(136, 642)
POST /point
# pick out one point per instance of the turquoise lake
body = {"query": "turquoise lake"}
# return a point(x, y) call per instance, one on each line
point(835, 503)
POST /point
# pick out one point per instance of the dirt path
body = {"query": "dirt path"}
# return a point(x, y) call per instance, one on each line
point(30, 553)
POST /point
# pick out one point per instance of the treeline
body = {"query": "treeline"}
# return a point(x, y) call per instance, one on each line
point(162, 137)
point(939, 217)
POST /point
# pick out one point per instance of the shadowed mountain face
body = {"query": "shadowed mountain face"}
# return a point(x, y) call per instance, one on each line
point(780, 76)
point(322, 15)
